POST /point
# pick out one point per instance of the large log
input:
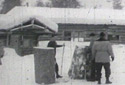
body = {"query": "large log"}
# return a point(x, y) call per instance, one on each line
point(44, 65)
point(77, 69)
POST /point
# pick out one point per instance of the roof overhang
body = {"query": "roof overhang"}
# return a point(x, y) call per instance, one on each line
point(15, 20)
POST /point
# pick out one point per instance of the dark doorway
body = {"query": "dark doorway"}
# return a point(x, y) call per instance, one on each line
point(67, 35)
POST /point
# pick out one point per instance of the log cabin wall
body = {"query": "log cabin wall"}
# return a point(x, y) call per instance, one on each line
point(23, 44)
point(114, 33)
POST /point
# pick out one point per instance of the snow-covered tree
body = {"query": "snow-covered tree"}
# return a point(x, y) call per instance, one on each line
point(40, 3)
point(117, 4)
point(98, 4)
point(65, 3)
point(29, 2)
point(9, 4)
point(1, 4)
point(44, 3)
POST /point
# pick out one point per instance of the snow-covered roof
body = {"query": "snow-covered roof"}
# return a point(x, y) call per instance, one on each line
point(19, 16)
point(75, 16)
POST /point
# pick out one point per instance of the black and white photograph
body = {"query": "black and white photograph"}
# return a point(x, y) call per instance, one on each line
point(62, 42)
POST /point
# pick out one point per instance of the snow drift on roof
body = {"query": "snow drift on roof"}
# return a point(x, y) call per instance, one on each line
point(77, 16)
point(18, 17)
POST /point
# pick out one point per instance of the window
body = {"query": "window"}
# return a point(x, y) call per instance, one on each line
point(113, 37)
point(78, 36)
point(67, 35)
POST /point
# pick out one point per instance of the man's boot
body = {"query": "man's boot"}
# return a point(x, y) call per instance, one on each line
point(56, 71)
point(58, 76)
point(108, 81)
point(99, 81)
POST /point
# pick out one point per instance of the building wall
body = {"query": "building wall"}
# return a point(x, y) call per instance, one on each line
point(23, 45)
point(115, 33)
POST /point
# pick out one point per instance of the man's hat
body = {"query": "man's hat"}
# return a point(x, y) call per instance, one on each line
point(102, 34)
point(92, 34)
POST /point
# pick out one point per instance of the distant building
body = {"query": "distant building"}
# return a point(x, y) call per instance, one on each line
point(77, 24)
point(30, 23)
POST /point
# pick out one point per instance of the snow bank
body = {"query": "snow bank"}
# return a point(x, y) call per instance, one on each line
point(17, 70)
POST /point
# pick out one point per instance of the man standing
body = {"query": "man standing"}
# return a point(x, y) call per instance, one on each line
point(53, 43)
point(92, 66)
point(101, 51)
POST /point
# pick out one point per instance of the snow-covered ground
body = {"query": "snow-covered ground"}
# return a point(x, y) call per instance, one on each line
point(17, 70)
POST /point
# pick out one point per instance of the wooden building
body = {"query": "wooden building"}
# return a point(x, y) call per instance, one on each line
point(21, 31)
point(114, 33)
point(77, 24)
point(22, 27)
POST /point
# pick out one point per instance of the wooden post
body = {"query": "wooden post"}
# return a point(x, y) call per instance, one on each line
point(8, 39)
point(44, 60)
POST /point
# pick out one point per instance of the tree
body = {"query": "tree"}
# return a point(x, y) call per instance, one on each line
point(9, 4)
point(40, 3)
point(117, 4)
point(65, 3)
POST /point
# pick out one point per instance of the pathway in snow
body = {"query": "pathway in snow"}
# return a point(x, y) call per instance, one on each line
point(18, 70)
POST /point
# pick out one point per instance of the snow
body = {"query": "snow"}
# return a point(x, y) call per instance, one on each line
point(18, 17)
point(17, 70)
point(50, 16)
point(76, 16)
